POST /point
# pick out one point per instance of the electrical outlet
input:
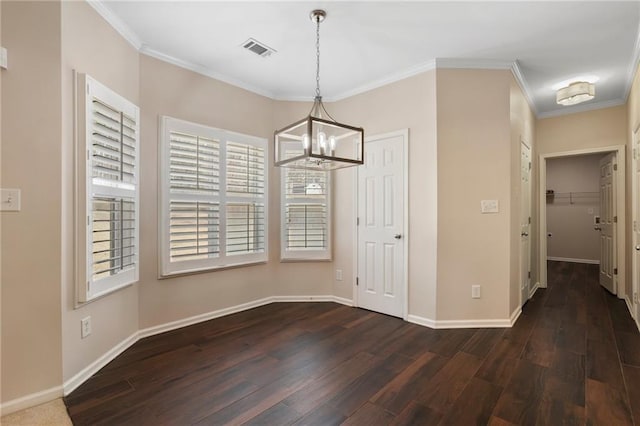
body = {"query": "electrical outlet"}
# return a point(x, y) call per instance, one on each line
point(85, 327)
point(475, 292)
point(338, 274)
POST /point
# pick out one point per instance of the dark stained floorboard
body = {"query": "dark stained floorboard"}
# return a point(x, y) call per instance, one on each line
point(573, 357)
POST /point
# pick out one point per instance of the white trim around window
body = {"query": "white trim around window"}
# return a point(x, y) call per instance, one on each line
point(213, 203)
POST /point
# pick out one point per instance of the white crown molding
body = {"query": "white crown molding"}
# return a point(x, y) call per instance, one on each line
point(200, 69)
point(590, 106)
point(112, 19)
point(391, 78)
point(478, 64)
point(517, 74)
point(633, 66)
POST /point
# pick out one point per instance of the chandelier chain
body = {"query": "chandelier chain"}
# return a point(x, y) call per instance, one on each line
point(317, 56)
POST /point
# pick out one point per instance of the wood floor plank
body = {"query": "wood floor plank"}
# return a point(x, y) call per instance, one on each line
point(499, 365)
point(632, 380)
point(449, 382)
point(557, 412)
point(475, 404)
point(606, 405)
point(417, 414)
point(402, 390)
point(369, 414)
point(521, 398)
point(573, 357)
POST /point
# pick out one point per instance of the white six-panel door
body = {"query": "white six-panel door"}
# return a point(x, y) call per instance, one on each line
point(607, 223)
point(381, 282)
point(636, 224)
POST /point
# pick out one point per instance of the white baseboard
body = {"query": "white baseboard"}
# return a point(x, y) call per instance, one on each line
point(317, 298)
point(574, 260)
point(343, 301)
point(30, 400)
point(629, 305)
point(534, 289)
point(91, 369)
point(478, 323)
point(516, 314)
point(426, 322)
point(185, 322)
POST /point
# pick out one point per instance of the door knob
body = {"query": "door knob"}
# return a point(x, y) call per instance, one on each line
point(397, 236)
point(638, 248)
point(524, 234)
point(597, 228)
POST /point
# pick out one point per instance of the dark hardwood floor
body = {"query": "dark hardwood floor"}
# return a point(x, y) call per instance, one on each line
point(573, 357)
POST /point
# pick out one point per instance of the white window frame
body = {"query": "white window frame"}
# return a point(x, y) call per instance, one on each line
point(88, 90)
point(223, 260)
point(304, 254)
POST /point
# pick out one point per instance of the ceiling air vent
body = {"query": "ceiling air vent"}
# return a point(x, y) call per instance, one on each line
point(258, 48)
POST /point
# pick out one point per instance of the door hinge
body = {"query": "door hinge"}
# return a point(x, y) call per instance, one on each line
point(88, 220)
point(529, 165)
point(529, 220)
point(529, 274)
point(615, 271)
point(615, 219)
point(357, 221)
point(615, 167)
point(88, 286)
point(635, 298)
point(357, 281)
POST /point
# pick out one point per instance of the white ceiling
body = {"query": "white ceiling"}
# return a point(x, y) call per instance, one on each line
point(368, 44)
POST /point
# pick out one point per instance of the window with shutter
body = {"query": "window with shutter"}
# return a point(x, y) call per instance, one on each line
point(213, 199)
point(305, 212)
point(111, 140)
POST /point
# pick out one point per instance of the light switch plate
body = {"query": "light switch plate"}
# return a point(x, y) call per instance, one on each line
point(9, 200)
point(489, 206)
point(4, 60)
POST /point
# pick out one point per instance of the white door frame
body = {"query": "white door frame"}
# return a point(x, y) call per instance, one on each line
point(632, 304)
point(530, 195)
point(620, 206)
point(404, 133)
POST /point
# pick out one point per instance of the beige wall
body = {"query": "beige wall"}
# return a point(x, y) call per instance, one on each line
point(583, 130)
point(31, 161)
point(522, 121)
point(570, 219)
point(474, 164)
point(411, 104)
point(169, 90)
point(91, 46)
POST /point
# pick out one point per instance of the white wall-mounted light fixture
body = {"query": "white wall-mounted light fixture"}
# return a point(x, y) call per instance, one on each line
point(318, 142)
point(575, 93)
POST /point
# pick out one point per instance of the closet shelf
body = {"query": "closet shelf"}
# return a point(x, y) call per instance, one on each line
point(572, 196)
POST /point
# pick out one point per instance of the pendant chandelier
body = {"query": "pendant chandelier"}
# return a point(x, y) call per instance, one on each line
point(318, 142)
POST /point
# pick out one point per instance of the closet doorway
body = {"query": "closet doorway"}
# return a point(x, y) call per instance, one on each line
point(582, 212)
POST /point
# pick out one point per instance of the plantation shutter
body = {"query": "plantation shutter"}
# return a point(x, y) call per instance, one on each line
point(112, 143)
point(213, 198)
point(305, 214)
point(245, 210)
point(194, 206)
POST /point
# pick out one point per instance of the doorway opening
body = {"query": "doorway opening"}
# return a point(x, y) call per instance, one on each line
point(582, 212)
